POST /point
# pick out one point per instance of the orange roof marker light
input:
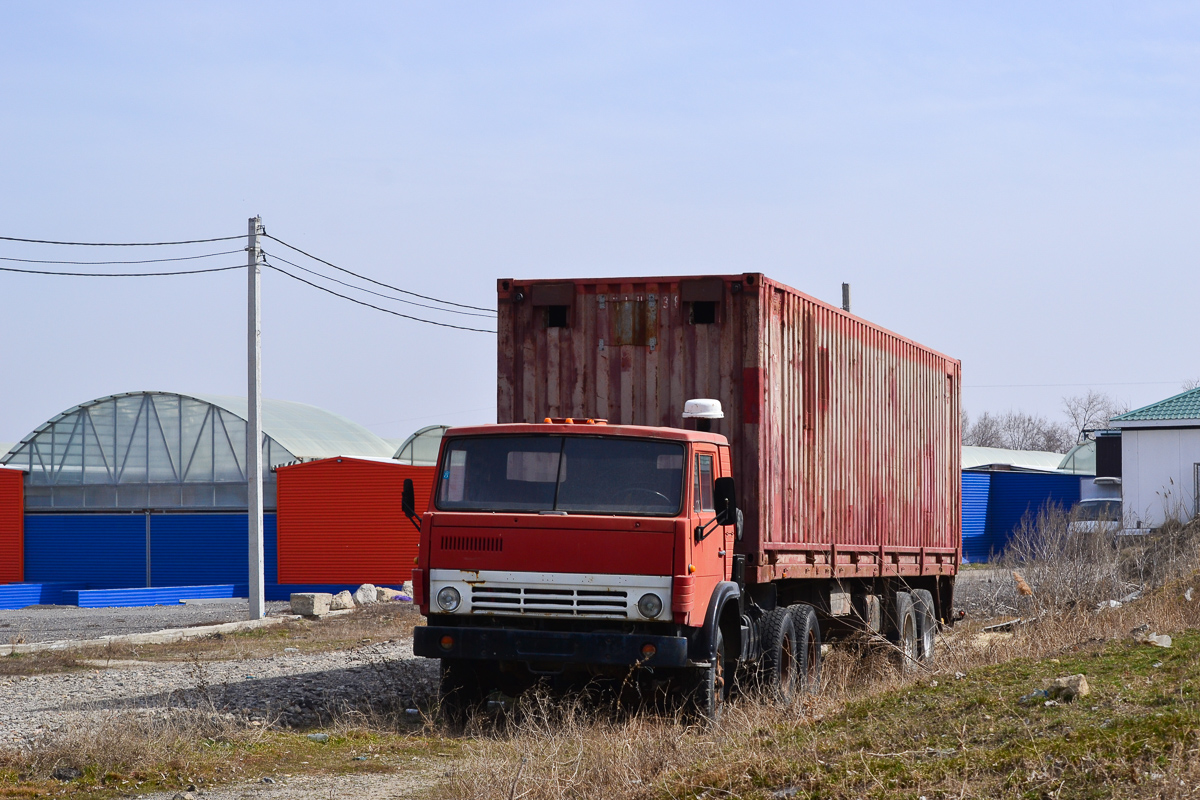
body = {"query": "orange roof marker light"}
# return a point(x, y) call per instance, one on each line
point(573, 421)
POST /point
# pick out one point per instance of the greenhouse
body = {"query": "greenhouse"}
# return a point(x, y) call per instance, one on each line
point(162, 450)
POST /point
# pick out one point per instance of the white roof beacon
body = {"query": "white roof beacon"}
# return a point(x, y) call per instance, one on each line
point(703, 409)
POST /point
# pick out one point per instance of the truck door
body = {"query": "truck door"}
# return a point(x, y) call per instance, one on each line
point(711, 555)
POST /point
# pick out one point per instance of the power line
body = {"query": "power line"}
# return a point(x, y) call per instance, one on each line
point(122, 244)
point(369, 305)
point(377, 294)
point(145, 261)
point(119, 274)
point(377, 283)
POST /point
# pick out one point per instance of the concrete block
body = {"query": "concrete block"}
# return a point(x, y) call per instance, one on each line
point(311, 604)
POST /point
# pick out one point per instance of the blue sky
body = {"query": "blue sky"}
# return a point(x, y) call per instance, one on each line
point(1014, 184)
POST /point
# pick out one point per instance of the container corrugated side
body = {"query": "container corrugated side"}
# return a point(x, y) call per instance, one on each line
point(845, 435)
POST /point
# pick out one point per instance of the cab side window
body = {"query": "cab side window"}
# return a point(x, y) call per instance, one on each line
point(702, 486)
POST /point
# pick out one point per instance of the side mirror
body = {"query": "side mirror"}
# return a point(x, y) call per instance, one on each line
point(726, 501)
point(408, 501)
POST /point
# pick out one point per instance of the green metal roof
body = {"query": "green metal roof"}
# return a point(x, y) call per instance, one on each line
point(1185, 405)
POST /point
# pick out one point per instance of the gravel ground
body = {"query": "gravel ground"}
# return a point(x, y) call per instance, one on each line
point(52, 623)
point(984, 593)
point(288, 689)
point(411, 779)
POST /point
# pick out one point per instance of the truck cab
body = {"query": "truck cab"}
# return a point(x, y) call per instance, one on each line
point(577, 549)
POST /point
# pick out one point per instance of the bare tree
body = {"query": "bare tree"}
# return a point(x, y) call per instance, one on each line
point(1090, 411)
point(1191, 383)
point(984, 432)
point(1016, 430)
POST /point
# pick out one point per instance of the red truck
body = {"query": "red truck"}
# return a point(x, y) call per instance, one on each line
point(700, 477)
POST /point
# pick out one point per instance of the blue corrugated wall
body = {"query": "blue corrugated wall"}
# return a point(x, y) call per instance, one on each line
point(105, 551)
point(108, 551)
point(1010, 496)
point(975, 487)
point(201, 549)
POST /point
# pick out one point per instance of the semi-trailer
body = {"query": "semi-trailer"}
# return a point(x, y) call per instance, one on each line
point(697, 477)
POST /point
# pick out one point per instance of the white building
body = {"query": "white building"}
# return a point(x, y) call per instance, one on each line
point(1160, 460)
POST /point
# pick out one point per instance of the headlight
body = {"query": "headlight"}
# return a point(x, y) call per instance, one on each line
point(448, 598)
point(650, 606)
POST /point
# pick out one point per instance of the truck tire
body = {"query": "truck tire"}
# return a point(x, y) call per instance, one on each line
point(808, 640)
point(707, 688)
point(462, 689)
point(904, 631)
point(780, 666)
point(927, 624)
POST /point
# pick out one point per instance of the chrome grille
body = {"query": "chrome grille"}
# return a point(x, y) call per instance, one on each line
point(553, 600)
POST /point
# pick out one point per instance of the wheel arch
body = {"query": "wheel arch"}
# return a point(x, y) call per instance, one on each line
point(723, 613)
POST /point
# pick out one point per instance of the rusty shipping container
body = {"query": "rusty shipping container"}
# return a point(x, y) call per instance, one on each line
point(845, 435)
point(339, 520)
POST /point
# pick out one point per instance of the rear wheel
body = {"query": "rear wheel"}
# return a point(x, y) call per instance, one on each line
point(808, 640)
point(779, 668)
point(927, 624)
point(904, 631)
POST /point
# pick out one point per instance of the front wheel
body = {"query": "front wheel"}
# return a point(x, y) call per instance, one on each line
point(463, 689)
point(709, 689)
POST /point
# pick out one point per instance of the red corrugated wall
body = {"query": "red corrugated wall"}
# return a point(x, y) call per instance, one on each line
point(12, 525)
point(339, 521)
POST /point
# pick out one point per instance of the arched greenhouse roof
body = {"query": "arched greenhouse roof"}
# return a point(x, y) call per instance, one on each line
point(421, 449)
point(166, 450)
point(306, 432)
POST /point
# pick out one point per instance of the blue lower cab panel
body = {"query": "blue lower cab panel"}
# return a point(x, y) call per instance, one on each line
point(152, 596)
point(98, 550)
point(19, 595)
point(189, 549)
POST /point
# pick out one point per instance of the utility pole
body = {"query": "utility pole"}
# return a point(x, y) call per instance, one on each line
point(254, 433)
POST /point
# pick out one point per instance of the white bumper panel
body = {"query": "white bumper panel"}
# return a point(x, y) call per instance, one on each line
point(550, 594)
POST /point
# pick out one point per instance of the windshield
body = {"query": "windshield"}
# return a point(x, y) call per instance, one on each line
point(1100, 510)
point(573, 474)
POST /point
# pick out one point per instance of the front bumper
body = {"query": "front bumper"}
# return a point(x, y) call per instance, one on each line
point(550, 647)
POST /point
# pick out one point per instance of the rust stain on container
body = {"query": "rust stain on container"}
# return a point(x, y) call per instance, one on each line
point(845, 435)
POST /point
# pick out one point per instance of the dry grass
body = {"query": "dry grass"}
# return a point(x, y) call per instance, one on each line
point(130, 751)
point(865, 719)
point(40, 663)
point(366, 626)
